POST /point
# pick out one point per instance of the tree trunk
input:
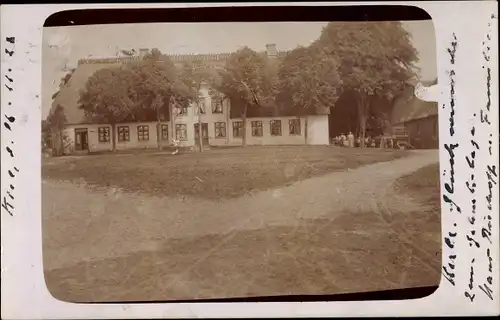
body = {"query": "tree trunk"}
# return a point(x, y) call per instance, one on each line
point(200, 137)
point(171, 116)
point(390, 132)
point(228, 121)
point(54, 144)
point(157, 103)
point(113, 136)
point(362, 117)
point(61, 143)
point(158, 127)
point(244, 118)
point(306, 119)
point(363, 133)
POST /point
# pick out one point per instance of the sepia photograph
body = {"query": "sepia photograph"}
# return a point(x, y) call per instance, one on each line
point(194, 161)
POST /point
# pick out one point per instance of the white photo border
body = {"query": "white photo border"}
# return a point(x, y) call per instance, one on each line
point(472, 25)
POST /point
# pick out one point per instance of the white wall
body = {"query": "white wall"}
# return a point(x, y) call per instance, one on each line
point(94, 145)
point(267, 138)
point(317, 133)
point(192, 117)
point(318, 130)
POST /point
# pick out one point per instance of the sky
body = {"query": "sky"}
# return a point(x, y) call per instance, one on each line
point(64, 46)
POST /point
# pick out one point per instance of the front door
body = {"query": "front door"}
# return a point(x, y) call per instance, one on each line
point(204, 133)
point(81, 139)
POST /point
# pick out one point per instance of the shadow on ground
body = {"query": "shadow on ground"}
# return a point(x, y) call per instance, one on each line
point(353, 253)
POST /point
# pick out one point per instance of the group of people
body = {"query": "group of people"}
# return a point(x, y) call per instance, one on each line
point(349, 141)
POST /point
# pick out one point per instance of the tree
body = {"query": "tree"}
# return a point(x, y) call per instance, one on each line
point(194, 75)
point(376, 59)
point(109, 97)
point(309, 79)
point(247, 79)
point(134, 91)
point(46, 136)
point(53, 126)
point(155, 80)
point(55, 123)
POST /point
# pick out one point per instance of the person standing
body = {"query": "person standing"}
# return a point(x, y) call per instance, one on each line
point(343, 140)
point(176, 146)
point(350, 140)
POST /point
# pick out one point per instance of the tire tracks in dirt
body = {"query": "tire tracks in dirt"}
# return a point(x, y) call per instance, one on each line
point(141, 222)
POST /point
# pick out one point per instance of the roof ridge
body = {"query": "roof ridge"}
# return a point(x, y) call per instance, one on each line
point(173, 56)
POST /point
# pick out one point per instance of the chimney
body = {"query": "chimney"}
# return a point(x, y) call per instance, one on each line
point(271, 50)
point(143, 52)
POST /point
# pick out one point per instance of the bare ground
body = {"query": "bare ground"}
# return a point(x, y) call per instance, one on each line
point(331, 234)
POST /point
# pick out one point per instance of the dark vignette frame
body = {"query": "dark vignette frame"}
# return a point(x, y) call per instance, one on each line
point(82, 17)
point(291, 12)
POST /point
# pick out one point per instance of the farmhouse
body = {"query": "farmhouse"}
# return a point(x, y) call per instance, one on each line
point(418, 118)
point(220, 124)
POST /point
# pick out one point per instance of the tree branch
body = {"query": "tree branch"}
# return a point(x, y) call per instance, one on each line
point(254, 95)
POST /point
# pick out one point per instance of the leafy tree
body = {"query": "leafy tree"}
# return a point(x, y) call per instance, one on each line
point(109, 97)
point(46, 136)
point(53, 126)
point(247, 79)
point(309, 79)
point(155, 80)
point(375, 58)
point(55, 123)
point(194, 75)
point(133, 91)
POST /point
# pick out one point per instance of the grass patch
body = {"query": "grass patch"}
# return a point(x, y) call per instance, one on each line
point(422, 225)
point(423, 185)
point(217, 173)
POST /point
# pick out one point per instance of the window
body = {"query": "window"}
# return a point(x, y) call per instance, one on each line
point(143, 133)
point(257, 128)
point(220, 129)
point(103, 134)
point(238, 129)
point(164, 132)
point(216, 102)
point(275, 127)
point(200, 107)
point(216, 105)
point(182, 111)
point(123, 133)
point(181, 132)
point(294, 126)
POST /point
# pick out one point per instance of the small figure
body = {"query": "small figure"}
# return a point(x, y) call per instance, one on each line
point(350, 140)
point(176, 145)
point(343, 140)
point(382, 142)
point(336, 141)
point(391, 142)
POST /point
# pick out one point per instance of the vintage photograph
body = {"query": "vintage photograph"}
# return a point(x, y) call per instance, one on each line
point(187, 161)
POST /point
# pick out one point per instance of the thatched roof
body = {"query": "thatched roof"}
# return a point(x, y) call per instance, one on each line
point(407, 107)
point(69, 95)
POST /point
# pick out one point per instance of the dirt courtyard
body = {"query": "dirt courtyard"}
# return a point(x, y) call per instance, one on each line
point(239, 223)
